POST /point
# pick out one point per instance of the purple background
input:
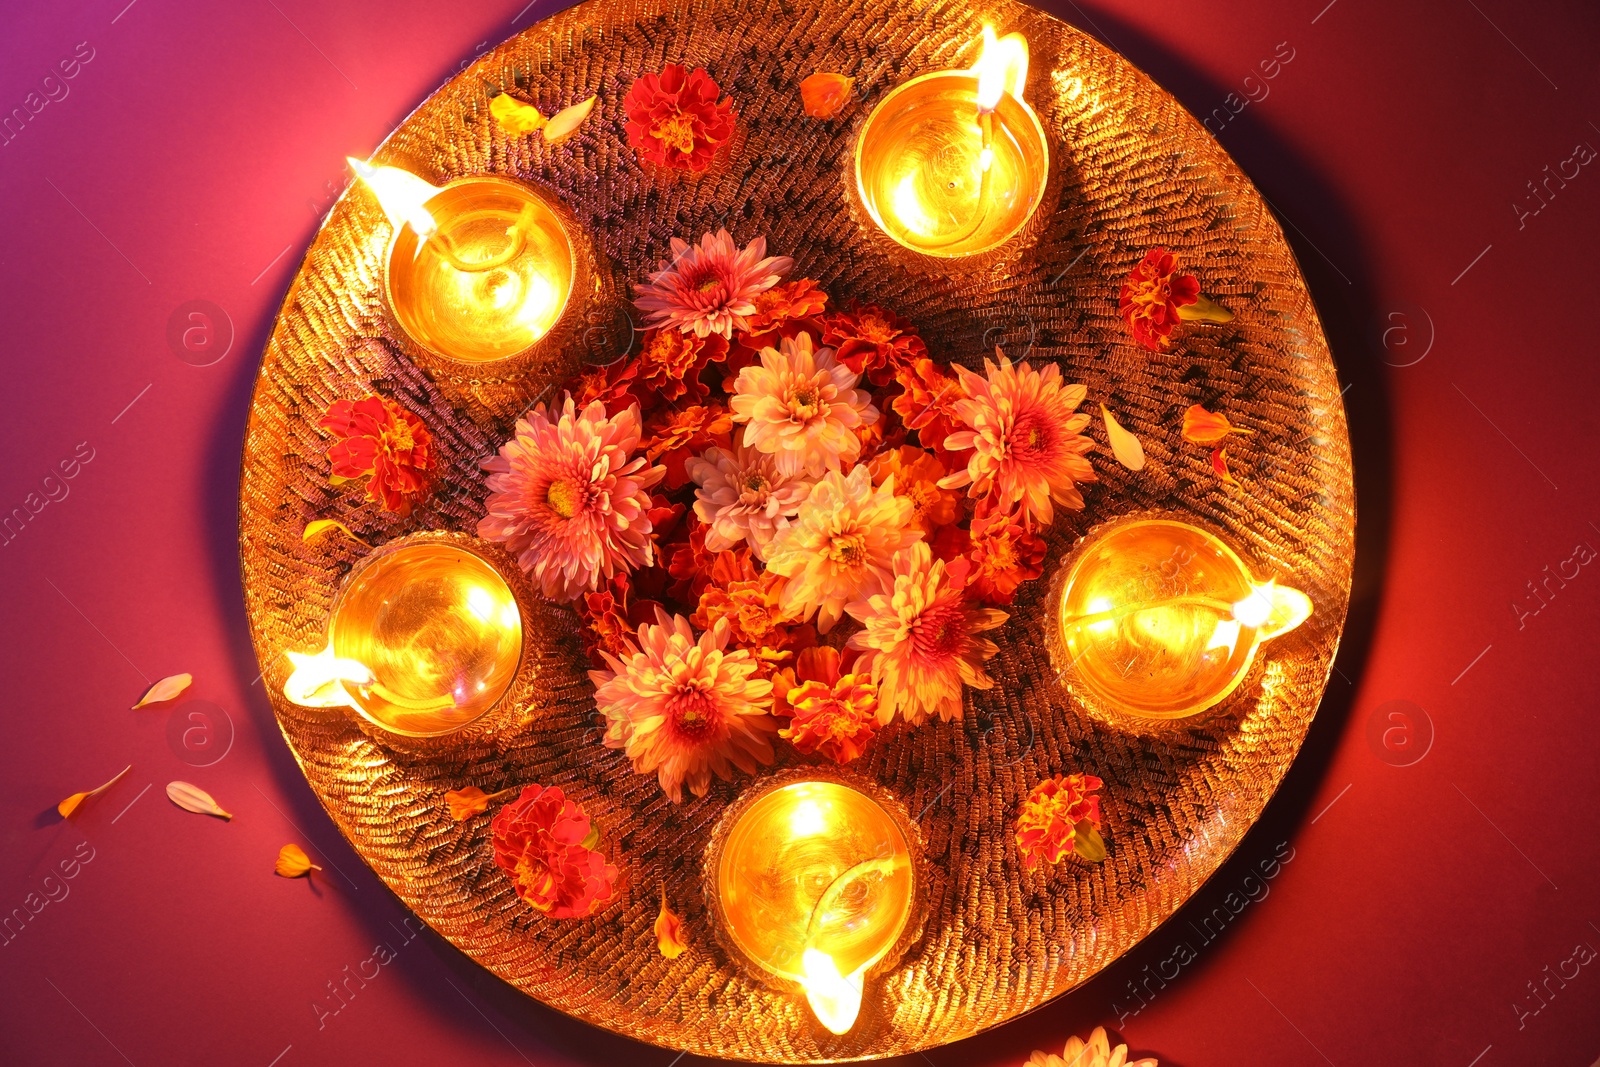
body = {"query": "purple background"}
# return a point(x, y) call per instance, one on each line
point(1443, 863)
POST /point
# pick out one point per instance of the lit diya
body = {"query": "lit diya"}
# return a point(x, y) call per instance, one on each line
point(1160, 619)
point(424, 638)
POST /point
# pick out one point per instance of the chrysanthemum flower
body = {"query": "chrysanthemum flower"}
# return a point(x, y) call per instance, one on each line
point(873, 341)
point(1026, 446)
point(922, 639)
point(684, 708)
point(802, 406)
point(376, 437)
point(538, 841)
point(832, 710)
point(743, 497)
point(916, 477)
point(842, 544)
point(1047, 825)
point(1151, 295)
point(710, 287)
point(1096, 1052)
point(570, 499)
point(675, 119)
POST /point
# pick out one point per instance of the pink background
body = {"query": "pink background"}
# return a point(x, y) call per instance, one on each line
point(1441, 861)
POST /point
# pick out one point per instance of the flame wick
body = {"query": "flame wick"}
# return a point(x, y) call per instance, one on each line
point(835, 998)
point(319, 679)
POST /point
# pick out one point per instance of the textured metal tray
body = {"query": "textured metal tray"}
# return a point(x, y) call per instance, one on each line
point(1132, 169)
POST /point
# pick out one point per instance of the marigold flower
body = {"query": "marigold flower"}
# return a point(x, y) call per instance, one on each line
point(928, 403)
point(802, 406)
point(710, 288)
point(539, 841)
point(916, 477)
point(1207, 428)
point(376, 437)
point(1004, 552)
point(872, 341)
point(921, 640)
point(1027, 445)
point(1151, 295)
point(830, 712)
point(675, 119)
point(686, 708)
point(676, 434)
point(670, 362)
point(781, 305)
point(605, 614)
point(752, 605)
point(1047, 825)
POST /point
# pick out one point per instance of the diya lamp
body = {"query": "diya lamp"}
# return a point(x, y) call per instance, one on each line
point(1161, 619)
point(954, 163)
point(479, 269)
point(814, 885)
point(424, 638)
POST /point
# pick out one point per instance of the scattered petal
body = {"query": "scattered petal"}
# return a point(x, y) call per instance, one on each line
point(824, 95)
point(1124, 445)
point(193, 798)
point(169, 688)
point(293, 862)
point(514, 115)
point(70, 805)
point(561, 126)
point(469, 801)
point(1219, 464)
point(669, 930)
point(318, 527)
point(1207, 428)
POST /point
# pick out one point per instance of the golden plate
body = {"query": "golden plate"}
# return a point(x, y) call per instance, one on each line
point(1132, 169)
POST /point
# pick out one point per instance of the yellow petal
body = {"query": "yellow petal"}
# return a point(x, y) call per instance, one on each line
point(670, 938)
point(566, 121)
point(514, 115)
point(317, 527)
point(70, 805)
point(169, 688)
point(193, 798)
point(293, 862)
point(1125, 446)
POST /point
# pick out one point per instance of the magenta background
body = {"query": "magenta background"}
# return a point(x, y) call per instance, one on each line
point(191, 160)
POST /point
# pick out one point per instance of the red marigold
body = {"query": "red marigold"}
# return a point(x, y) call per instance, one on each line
point(782, 311)
point(1047, 826)
point(377, 437)
point(690, 565)
point(832, 712)
point(1005, 552)
point(872, 341)
point(671, 361)
point(539, 841)
point(1151, 296)
point(674, 435)
point(611, 385)
point(675, 119)
point(928, 404)
point(605, 615)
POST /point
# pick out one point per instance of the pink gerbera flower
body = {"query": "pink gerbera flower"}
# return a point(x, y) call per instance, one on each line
point(921, 639)
point(1027, 448)
point(685, 708)
point(710, 287)
point(570, 499)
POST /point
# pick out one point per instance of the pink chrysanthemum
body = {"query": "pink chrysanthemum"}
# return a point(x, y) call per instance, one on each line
point(1027, 446)
point(743, 497)
point(921, 639)
point(801, 405)
point(685, 708)
point(570, 499)
point(842, 544)
point(710, 287)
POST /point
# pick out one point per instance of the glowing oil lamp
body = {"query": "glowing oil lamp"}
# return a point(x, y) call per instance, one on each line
point(1160, 619)
point(815, 886)
point(954, 163)
point(424, 638)
point(478, 270)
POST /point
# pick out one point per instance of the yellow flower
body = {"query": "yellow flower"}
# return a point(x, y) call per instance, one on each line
point(1096, 1052)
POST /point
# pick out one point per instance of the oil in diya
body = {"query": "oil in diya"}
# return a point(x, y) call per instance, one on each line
point(478, 270)
point(1160, 619)
point(954, 163)
point(424, 638)
point(815, 885)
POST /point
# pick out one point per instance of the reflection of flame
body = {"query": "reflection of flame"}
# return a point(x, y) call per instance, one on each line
point(807, 820)
point(400, 193)
point(835, 998)
point(1001, 68)
point(318, 680)
point(1226, 635)
point(1256, 608)
point(1272, 609)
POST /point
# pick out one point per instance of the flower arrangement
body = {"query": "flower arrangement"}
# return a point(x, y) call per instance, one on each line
point(781, 521)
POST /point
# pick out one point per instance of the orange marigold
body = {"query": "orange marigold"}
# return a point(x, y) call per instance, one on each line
point(675, 118)
point(376, 437)
point(928, 403)
point(873, 341)
point(1151, 296)
point(671, 361)
point(1047, 827)
point(675, 435)
point(831, 712)
point(1005, 552)
point(749, 601)
point(916, 477)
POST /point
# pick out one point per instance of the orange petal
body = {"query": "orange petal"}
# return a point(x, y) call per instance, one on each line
point(169, 688)
point(669, 930)
point(70, 805)
point(293, 862)
point(465, 803)
point(1207, 428)
point(1219, 464)
point(1124, 445)
point(824, 95)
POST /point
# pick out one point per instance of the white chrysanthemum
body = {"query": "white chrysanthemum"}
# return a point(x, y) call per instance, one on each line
point(841, 545)
point(742, 496)
point(801, 405)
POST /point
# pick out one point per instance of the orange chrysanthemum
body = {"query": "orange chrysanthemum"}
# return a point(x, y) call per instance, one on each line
point(916, 477)
point(1047, 825)
point(1151, 296)
point(832, 711)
